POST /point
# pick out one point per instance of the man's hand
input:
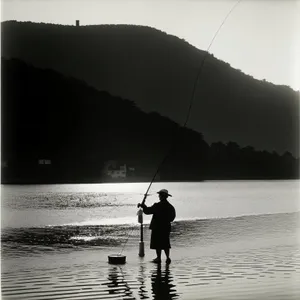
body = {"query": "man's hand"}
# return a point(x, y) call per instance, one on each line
point(143, 202)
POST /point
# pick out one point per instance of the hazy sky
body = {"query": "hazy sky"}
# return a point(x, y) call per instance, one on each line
point(260, 37)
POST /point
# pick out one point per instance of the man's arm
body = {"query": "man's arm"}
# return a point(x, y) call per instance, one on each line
point(148, 210)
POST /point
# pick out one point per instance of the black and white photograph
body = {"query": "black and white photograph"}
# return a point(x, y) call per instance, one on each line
point(150, 149)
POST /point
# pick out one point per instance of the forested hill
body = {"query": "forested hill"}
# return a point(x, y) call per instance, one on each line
point(46, 115)
point(157, 71)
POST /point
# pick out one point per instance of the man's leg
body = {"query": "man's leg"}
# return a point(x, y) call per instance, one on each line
point(158, 258)
point(158, 254)
point(167, 252)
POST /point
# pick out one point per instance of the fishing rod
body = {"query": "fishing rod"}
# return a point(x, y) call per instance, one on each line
point(140, 212)
point(191, 101)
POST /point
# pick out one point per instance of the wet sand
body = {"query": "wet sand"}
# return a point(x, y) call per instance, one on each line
point(251, 271)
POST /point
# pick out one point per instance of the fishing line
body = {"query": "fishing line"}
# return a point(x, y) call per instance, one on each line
point(191, 103)
point(127, 238)
point(193, 95)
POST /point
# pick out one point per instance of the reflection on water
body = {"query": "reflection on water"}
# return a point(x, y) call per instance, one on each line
point(260, 273)
point(157, 283)
point(161, 282)
point(117, 285)
point(143, 293)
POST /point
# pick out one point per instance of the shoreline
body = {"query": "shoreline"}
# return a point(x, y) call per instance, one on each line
point(148, 181)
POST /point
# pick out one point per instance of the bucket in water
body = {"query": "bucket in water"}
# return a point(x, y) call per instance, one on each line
point(116, 259)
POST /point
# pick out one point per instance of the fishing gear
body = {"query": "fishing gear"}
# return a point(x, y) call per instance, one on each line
point(192, 100)
point(141, 248)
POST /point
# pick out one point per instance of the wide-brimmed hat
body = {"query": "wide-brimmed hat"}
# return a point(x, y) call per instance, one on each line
point(164, 191)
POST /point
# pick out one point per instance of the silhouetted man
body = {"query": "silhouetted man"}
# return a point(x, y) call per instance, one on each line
point(163, 214)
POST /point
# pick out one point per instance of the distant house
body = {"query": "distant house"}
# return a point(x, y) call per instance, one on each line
point(115, 170)
point(44, 162)
point(118, 172)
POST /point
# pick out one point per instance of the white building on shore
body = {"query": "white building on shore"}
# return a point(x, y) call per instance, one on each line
point(117, 171)
point(121, 172)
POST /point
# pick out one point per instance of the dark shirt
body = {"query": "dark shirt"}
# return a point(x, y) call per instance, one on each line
point(163, 214)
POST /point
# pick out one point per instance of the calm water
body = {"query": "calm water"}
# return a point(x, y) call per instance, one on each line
point(55, 239)
point(103, 204)
point(101, 214)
